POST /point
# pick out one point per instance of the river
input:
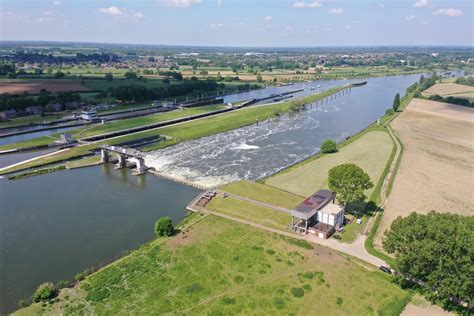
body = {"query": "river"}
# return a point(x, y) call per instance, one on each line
point(56, 225)
point(255, 151)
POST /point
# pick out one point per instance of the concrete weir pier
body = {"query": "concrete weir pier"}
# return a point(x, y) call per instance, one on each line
point(124, 153)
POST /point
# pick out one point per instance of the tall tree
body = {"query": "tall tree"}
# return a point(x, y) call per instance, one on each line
point(349, 181)
point(436, 249)
point(396, 102)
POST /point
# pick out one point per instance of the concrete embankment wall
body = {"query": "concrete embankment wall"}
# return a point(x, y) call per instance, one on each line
point(167, 177)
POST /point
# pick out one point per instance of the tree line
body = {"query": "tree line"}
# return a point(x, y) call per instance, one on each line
point(21, 102)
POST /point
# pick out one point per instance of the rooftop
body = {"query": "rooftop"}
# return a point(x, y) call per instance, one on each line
point(309, 207)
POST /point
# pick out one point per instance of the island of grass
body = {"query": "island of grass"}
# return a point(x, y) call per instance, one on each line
point(219, 267)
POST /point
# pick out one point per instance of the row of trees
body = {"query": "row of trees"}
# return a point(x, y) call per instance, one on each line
point(452, 100)
point(140, 93)
point(468, 81)
point(21, 102)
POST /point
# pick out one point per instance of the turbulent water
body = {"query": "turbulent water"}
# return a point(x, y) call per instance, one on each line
point(255, 151)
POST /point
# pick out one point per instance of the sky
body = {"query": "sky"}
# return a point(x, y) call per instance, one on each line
point(260, 23)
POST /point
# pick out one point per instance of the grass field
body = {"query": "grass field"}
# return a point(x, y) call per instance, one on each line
point(263, 193)
point(370, 152)
point(219, 267)
point(250, 212)
point(32, 119)
point(436, 169)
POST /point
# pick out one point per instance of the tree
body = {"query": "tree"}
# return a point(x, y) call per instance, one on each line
point(130, 75)
point(349, 181)
point(259, 78)
point(329, 146)
point(109, 76)
point(164, 226)
point(396, 102)
point(58, 75)
point(44, 292)
point(435, 249)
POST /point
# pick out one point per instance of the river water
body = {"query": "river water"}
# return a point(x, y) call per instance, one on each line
point(56, 225)
point(257, 151)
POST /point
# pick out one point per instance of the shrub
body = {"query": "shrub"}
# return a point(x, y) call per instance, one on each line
point(297, 292)
point(339, 301)
point(44, 292)
point(389, 112)
point(164, 226)
point(64, 284)
point(329, 146)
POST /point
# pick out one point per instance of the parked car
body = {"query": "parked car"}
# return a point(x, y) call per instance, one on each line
point(385, 269)
point(337, 237)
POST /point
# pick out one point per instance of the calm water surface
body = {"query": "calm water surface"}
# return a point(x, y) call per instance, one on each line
point(56, 225)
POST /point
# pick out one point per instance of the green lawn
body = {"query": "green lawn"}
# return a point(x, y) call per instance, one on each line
point(263, 193)
point(370, 152)
point(32, 119)
point(250, 212)
point(220, 267)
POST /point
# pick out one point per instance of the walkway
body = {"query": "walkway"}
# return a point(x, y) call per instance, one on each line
point(263, 204)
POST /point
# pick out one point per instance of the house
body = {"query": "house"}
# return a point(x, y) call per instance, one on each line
point(8, 114)
point(90, 116)
point(56, 107)
point(318, 215)
point(35, 109)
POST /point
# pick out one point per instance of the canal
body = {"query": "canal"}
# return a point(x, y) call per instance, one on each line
point(56, 225)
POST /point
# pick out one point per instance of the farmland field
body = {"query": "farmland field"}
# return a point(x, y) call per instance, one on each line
point(437, 165)
point(451, 89)
point(35, 87)
point(219, 267)
point(370, 152)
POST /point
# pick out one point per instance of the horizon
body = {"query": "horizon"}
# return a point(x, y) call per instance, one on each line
point(230, 23)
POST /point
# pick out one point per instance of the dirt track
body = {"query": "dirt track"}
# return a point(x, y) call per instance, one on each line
point(437, 166)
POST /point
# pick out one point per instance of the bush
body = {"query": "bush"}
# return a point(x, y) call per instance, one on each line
point(164, 227)
point(329, 146)
point(44, 292)
point(389, 112)
point(64, 284)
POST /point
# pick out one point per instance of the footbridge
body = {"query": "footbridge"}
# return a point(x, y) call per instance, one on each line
point(123, 153)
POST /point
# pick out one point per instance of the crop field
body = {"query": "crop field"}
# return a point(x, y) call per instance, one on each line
point(437, 165)
point(370, 152)
point(451, 89)
point(219, 267)
point(35, 87)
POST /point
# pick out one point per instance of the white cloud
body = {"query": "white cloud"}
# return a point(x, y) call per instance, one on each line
point(289, 28)
point(179, 3)
point(46, 19)
point(111, 11)
point(138, 15)
point(448, 12)
point(421, 3)
point(268, 18)
point(302, 4)
point(336, 11)
point(381, 5)
point(216, 25)
point(410, 17)
point(48, 12)
point(347, 27)
point(219, 3)
point(57, 2)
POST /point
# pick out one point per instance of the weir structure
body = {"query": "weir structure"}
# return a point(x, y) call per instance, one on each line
point(123, 153)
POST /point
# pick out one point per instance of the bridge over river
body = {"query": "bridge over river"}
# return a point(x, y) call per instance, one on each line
point(123, 154)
